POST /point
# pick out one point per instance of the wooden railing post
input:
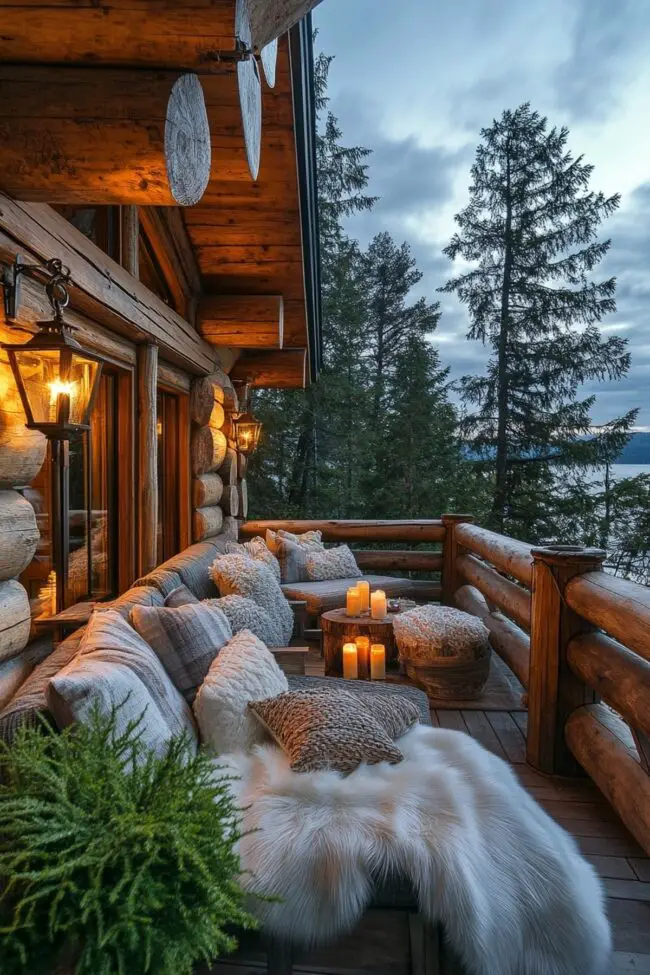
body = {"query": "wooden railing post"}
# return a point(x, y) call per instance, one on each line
point(451, 580)
point(554, 692)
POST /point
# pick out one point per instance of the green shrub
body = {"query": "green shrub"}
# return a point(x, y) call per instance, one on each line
point(114, 861)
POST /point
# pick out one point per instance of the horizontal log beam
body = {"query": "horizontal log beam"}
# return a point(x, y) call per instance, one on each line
point(620, 607)
point(242, 321)
point(399, 561)
point(603, 745)
point(506, 638)
point(187, 34)
point(104, 136)
point(507, 554)
point(271, 18)
point(286, 369)
point(416, 530)
point(509, 597)
point(617, 675)
point(101, 289)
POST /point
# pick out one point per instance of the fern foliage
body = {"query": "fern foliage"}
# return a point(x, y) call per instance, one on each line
point(114, 860)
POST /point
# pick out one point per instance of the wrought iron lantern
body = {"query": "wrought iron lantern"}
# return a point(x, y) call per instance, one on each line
point(56, 378)
point(58, 383)
point(247, 428)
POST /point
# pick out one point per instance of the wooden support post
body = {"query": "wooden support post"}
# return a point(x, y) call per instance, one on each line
point(130, 240)
point(147, 457)
point(451, 579)
point(554, 691)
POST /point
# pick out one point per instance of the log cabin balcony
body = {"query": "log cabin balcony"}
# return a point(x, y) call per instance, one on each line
point(189, 265)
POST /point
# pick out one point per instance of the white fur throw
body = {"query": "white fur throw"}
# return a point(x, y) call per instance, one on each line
point(439, 631)
point(509, 885)
point(331, 563)
point(244, 614)
point(244, 671)
point(240, 575)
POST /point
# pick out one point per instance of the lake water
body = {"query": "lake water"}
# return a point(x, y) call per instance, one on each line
point(618, 472)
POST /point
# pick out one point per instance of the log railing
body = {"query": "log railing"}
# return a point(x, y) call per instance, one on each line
point(577, 638)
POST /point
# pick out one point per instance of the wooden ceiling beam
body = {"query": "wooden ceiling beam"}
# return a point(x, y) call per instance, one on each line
point(286, 369)
point(168, 240)
point(271, 18)
point(104, 136)
point(187, 34)
point(242, 321)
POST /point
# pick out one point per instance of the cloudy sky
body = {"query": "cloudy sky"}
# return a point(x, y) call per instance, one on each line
point(415, 80)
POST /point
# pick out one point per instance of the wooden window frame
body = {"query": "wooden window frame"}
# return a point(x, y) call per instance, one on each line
point(178, 474)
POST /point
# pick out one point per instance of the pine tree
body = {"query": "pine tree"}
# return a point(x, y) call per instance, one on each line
point(529, 234)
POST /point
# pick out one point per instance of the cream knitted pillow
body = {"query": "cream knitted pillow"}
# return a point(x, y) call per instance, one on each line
point(244, 671)
point(331, 563)
point(240, 575)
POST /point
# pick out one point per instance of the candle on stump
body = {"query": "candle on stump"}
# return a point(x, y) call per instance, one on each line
point(363, 656)
point(378, 606)
point(363, 587)
point(353, 602)
point(350, 661)
point(378, 661)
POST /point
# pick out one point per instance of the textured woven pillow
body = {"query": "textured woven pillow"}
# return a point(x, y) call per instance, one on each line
point(114, 666)
point(239, 575)
point(326, 730)
point(310, 539)
point(244, 671)
point(180, 596)
point(186, 639)
point(331, 563)
point(439, 631)
point(258, 549)
point(244, 614)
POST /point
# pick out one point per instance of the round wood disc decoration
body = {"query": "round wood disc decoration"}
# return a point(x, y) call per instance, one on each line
point(187, 141)
point(269, 59)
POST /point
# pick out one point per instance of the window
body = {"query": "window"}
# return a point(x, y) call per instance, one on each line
point(100, 511)
point(173, 473)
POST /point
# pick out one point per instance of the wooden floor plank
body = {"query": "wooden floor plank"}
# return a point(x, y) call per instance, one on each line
point(608, 846)
point(452, 720)
point(614, 868)
point(509, 735)
point(641, 867)
point(521, 717)
point(630, 922)
point(579, 810)
point(627, 963)
point(480, 728)
point(628, 890)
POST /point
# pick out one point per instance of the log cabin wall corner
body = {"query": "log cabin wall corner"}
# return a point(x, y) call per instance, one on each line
point(194, 263)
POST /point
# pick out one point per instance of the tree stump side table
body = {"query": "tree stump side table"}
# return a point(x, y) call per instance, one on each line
point(339, 628)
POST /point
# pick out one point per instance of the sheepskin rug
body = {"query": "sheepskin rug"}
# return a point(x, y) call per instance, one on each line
point(509, 885)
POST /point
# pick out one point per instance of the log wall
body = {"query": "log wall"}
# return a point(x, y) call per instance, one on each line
point(219, 493)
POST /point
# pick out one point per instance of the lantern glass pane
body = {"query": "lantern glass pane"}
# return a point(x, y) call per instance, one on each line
point(81, 380)
point(247, 435)
point(40, 372)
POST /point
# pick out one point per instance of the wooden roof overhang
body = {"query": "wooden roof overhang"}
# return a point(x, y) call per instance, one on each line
point(255, 242)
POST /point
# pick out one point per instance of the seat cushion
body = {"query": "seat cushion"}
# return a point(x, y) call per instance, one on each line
point(365, 687)
point(330, 594)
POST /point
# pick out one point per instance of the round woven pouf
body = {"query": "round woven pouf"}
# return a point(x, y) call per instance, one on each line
point(444, 651)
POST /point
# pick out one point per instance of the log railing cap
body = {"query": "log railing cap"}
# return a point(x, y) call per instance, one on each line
point(563, 554)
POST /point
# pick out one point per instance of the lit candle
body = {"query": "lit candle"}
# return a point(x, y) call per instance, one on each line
point(363, 587)
point(353, 602)
point(377, 662)
point(350, 661)
point(378, 607)
point(363, 656)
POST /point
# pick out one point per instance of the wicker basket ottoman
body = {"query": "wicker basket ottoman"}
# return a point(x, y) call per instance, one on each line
point(444, 651)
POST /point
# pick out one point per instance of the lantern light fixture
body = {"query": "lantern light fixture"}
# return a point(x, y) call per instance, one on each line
point(56, 378)
point(58, 383)
point(247, 429)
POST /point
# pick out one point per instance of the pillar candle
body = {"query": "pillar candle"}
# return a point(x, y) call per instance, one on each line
point(377, 662)
point(363, 656)
point(363, 587)
point(353, 602)
point(378, 605)
point(350, 662)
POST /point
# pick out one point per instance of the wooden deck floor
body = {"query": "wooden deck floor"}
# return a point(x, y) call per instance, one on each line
point(381, 944)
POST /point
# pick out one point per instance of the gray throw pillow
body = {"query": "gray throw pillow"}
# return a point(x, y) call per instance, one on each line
point(331, 563)
point(324, 729)
point(114, 666)
point(186, 639)
point(180, 596)
point(293, 561)
point(240, 575)
point(245, 614)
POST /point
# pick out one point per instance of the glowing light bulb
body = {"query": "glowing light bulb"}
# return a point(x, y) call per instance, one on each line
point(58, 388)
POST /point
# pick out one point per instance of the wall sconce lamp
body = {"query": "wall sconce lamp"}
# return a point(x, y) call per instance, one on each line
point(58, 382)
point(247, 428)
